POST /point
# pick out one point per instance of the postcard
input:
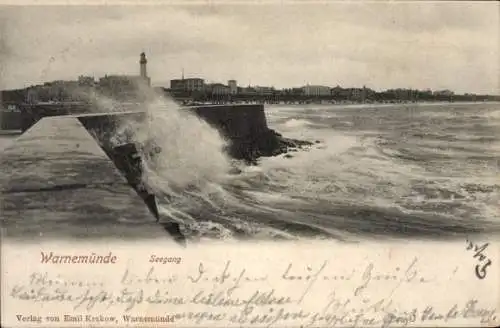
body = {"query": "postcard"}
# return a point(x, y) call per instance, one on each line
point(250, 164)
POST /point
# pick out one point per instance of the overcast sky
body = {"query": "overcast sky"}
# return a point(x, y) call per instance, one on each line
point(446, 45)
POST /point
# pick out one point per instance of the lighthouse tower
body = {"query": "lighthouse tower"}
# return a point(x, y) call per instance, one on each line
point(144, 73)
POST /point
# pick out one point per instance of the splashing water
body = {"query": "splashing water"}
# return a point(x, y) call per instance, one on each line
point(192, 152)
point(184, 160)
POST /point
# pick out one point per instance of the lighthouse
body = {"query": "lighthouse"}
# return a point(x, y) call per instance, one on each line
point(143, 71)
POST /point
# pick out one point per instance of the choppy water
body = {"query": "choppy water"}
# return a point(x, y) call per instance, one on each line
point(7, 139)
point(409, 171)
point(400, 171)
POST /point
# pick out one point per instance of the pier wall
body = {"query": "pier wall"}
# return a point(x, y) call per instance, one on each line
point(55, 176)
point(244, 125)
point(235, 121)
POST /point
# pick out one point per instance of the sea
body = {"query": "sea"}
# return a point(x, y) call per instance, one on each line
point(374, 171)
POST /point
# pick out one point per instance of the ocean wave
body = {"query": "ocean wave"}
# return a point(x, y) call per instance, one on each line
point(358, 183)
point(293, 123)
point(493, 114)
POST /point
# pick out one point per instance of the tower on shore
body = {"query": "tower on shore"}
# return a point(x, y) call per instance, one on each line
point(143, 70)
point(143, 62)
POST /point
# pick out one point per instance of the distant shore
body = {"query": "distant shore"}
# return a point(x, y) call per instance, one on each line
point(382, 104)
point(337, 103)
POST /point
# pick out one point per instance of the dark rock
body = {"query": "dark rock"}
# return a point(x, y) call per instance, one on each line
point(288, 156)
point(269, 143)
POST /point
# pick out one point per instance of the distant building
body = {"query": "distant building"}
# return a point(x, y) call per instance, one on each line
point(177, 85)
point(13, 96)
point(356, 94)
point(401, 94)
point(316, 90)
point(367, 93)
point(291, 92)
point(120, 83)
point(189, 85)
point(126, 86)
point(339, 92)
point(32, 96)
point(86, 80)
point(264, 91)
point(404, 94)
point(121, 86)
point(233, 86)
point(56, 91)
point(336, 91)
point(443, 93)
point(247, 91)
point(218, 89)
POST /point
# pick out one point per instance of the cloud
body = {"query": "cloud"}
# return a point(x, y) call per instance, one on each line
point(436, 45)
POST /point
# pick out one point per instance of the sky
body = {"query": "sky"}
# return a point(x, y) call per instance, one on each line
point(436, 45)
